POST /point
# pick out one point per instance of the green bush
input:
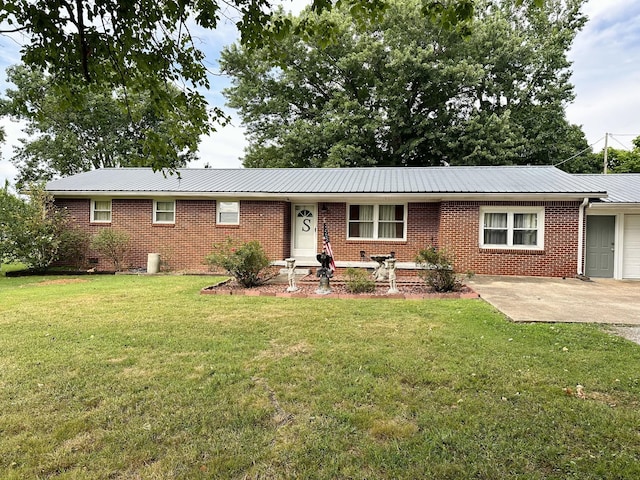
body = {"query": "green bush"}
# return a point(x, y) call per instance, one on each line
point(30, 229)
point(437, 270)
point(358, 281)
point(113, 244)
point(246, 262)
point(74, 245)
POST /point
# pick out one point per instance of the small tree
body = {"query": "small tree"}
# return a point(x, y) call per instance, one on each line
point(113, 244)
point(246, 262)
point(437, 270)
point(30, 229)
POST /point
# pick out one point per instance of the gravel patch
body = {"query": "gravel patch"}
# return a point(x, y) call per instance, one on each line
point(630, 333)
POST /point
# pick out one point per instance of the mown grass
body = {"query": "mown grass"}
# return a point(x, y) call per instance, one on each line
point(11, 267)
point(142, 377)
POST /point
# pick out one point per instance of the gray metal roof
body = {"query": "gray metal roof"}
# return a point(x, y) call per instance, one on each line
point(620, 187)
point(277, 181)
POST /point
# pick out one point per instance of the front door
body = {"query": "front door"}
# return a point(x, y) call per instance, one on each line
point(600, 246)
point(304, 231)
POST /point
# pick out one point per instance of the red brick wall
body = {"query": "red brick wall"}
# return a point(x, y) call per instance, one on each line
point(422, 231)
point(459, 234)
point(453, 225)
point(185, 244)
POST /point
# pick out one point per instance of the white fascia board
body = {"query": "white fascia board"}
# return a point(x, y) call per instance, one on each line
point(612, 208)
point(336, 197)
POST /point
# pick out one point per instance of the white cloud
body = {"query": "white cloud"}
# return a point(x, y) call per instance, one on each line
point(13, 131)
point(294, 6)
point(223, 148)
point(7, 172)
point(606, 70)
point(607, 10)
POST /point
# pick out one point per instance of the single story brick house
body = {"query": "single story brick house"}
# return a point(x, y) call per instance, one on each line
point(506, 220)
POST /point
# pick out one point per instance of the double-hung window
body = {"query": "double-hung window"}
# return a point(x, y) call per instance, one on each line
point(164, 211)
point(512, 227)
point(228, 213)
point(376, 222)
point(101, 211)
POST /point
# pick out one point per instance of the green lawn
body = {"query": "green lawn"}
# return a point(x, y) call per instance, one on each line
point(11, 267)
point(125, 377)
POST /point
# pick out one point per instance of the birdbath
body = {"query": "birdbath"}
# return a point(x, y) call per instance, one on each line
point(381, 273)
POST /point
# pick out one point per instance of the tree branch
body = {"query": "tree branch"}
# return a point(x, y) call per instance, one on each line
point(15, 30)
point(84, 47)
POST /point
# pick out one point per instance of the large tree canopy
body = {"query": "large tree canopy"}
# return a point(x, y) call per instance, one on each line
point(405, 91)
point(102, 128)
point(142, 45)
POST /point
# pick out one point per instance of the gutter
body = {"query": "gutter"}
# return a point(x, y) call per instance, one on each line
point(336, 196)
point(583, 206)
point(617, 206)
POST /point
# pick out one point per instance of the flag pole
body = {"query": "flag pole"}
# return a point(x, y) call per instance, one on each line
point(326, 245)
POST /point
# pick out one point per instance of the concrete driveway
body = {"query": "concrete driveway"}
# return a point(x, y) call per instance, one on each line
point(534, 299)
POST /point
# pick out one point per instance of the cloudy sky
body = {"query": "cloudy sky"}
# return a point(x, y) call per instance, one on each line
point(606, 75)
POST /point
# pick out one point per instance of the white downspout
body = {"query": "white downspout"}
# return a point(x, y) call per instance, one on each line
point(583, 205)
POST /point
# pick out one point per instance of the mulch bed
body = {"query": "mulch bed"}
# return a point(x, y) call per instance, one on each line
point(307, 286)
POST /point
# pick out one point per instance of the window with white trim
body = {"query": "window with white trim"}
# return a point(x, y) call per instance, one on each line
point(228, 212)
point(512, 227)
point(100, 211)
point(164, 211)
point(376, 222)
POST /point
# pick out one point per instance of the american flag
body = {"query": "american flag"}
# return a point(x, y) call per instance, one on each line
point(326, 246)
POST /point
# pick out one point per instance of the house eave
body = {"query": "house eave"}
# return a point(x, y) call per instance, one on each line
point(609, 206)
point(338, 196)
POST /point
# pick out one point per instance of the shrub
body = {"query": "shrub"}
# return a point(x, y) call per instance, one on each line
point(113, 244)
point(74, 245)
point(246, 262)
point(358, 281)
point(437, 270)
point(167, 255)
point(30, 229)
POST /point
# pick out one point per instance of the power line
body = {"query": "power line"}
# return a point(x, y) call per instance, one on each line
point(590, 147)
point(612, 135)
point(622, 144)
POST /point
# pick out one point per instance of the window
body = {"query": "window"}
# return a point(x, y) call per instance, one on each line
point(512, 227)
point(361, 221)
point(228, 213)
point(101, 211)
point(376, 222)
point(164, 211)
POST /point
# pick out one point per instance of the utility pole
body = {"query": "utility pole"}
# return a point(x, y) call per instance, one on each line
point(606, 138)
